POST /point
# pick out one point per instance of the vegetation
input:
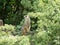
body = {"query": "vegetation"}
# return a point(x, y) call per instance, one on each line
point(45, 22)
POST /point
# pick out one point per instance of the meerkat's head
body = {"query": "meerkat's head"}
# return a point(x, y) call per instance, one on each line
point(26, 16)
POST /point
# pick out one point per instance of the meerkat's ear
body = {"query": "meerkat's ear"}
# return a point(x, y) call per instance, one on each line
point(24, 15)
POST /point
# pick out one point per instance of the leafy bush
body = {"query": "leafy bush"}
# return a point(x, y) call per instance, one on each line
point(14, 40)
point(45, 19)
point(6, 29)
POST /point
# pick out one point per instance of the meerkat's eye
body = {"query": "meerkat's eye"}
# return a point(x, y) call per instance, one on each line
point(26, 15)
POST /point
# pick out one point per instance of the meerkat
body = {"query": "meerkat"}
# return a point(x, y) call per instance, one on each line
point(1, 22)
point(26, 26)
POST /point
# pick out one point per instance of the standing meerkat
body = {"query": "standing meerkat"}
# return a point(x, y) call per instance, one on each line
point(26, 26)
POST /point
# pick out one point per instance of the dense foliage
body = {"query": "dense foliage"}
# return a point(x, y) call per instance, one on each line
point(45, 21)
